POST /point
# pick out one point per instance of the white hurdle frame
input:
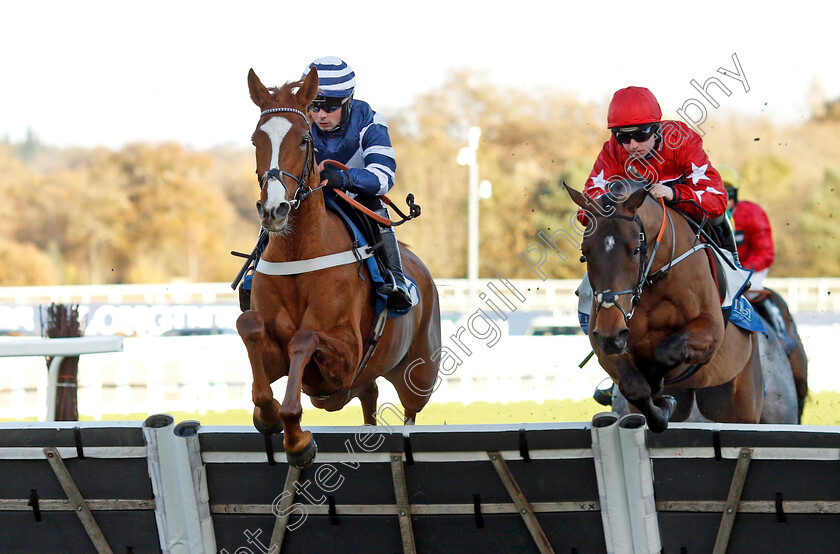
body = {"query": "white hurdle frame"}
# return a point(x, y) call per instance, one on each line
point(59, 348)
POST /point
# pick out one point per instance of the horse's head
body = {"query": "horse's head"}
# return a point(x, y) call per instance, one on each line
point(615, 251)
point(284, 151)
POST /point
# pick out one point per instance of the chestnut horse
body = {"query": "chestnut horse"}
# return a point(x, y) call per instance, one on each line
point(656, 316)
point(312, 326)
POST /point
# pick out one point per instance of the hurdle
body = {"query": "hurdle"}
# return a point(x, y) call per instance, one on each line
point(156, 486)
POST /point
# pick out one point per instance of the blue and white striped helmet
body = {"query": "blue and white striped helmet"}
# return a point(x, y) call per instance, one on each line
point(336, 79)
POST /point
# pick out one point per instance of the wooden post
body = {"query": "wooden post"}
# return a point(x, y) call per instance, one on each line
point(62, 321)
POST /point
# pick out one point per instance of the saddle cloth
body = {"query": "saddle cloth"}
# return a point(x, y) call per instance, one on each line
point(360, 240)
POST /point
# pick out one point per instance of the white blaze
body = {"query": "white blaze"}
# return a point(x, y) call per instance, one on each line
point(609, 243)
point(276, 128)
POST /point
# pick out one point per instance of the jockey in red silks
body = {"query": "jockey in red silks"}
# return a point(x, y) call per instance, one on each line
point(754, 239)
point(668, 154)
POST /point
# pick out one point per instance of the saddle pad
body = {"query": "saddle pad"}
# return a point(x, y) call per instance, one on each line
point(736, 277)
point(744, 316)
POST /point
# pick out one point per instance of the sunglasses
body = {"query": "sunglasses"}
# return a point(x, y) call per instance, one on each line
point(329, 105)
point(638, 136)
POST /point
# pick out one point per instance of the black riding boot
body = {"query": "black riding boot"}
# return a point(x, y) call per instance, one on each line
point(725, 236)
point(773, 315)
point(395, 287)
point(251, 264)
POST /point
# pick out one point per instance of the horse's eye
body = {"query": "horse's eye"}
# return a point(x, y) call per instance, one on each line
point(582, 259)
point(636, 251)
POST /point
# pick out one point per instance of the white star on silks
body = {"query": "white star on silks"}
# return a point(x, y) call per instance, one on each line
point(599, 181)
point(710, 190)
point(698, 173)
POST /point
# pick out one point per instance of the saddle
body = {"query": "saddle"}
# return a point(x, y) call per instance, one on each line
point(365, 233)
point(731, 279)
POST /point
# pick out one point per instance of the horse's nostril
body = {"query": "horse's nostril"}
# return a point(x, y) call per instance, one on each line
point(622, 338)
point(282, 210)
point(260, 210)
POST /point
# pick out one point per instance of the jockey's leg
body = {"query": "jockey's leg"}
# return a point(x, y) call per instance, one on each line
point(245, 286)
point(584, 293)
point(725, 235)
point(395, 287)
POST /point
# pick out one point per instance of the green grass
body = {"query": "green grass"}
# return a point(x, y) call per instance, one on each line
point(821, 409)
point(433, 414)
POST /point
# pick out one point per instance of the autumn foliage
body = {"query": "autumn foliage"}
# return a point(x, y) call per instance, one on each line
point(156, 213)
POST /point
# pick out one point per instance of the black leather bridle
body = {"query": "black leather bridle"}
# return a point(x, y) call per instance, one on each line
point(607, 298)
point(303, 191)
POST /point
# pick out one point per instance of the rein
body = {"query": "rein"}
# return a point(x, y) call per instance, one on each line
point(413, 209)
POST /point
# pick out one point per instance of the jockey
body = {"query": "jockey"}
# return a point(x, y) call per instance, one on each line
point(668, 154)
point(349, 131)
point(755, 249)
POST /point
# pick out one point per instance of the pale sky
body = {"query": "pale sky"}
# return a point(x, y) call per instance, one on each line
point(89, 73)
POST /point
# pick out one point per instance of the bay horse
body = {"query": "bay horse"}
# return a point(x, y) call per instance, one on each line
point(781, 388)
point(656, 315)
point(312, 326)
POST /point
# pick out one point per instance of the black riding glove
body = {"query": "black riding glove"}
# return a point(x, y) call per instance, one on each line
point(336, 178)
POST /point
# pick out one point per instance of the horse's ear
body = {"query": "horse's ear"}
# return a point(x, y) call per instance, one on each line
point(309, 88)
point(581, 199)
point(259, 94)
point(636, 198)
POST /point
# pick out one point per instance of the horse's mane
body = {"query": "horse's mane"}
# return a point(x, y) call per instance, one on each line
point(619, 191)
point(284, 95)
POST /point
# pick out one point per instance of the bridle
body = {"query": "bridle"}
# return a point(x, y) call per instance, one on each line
point(607, 298)
point(303, 191)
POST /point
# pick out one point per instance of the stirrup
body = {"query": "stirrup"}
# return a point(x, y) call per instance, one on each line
point(399, 299)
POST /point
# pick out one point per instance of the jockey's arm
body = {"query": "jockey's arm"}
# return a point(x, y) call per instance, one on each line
point(702, 185)
point(377, 176)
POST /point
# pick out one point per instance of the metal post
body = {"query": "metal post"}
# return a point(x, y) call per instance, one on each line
point(467, 156)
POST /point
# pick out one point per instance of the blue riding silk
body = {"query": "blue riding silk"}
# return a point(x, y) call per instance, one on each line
point(364, 146)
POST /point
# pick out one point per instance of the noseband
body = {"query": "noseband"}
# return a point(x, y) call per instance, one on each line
point(302, 191)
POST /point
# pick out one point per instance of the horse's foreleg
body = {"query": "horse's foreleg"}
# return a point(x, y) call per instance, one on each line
point(251, 328)
point(368, 397)
point(298, 444)
point(695, 343)
point(637, 390)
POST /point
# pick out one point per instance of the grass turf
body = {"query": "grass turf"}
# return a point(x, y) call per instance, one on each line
point(822, 408)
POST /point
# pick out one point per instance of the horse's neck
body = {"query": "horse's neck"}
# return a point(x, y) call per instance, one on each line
point(311, 233)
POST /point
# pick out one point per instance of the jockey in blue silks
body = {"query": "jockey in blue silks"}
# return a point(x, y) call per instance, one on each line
point(349, 131)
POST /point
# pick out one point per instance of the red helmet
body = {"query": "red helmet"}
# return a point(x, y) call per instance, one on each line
point(633, 106)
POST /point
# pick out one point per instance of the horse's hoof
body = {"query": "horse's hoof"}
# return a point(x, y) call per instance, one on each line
point(266, 429)
point(667, 403)
point(658, 421)
point(603, 396)
point(305, 457)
